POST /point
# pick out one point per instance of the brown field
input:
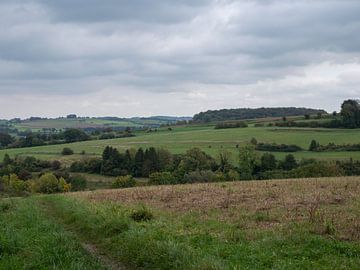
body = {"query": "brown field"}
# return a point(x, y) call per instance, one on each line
point(327, 203)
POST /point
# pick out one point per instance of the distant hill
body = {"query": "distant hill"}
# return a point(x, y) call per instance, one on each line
point(247, 113)
point(88, 123)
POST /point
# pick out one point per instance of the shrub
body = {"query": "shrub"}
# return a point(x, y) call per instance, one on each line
point(13, 185)
point(317, 169)
point(107, 136)
point(91, 165)
point(253, 141)
point(48, 183)
point(273, 147)
point(24, 175)
point(161, 178)
point(232, 175)
point(142, 214)
point(200, 177)
point(124, 182)
point(238, 124)
point(63, 186)
point(67, 151)
point(62, 173)
point(78, 182)
point(56, 165)
point(289, 163)
point(5, 206)
point(313, 145)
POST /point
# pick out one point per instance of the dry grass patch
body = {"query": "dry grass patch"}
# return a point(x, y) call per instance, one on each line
point(330, 205)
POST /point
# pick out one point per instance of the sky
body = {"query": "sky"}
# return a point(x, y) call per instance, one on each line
point(164, 57)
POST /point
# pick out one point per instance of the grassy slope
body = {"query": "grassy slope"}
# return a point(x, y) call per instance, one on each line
point(38, 125)
point(30, 240)
point(297, 224)
point(71, 123)
point(209, 139)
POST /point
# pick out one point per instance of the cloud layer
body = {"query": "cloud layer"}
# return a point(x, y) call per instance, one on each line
point(146, 57)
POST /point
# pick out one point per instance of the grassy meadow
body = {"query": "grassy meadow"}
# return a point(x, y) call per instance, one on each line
point(38, 125)
point(62, 123)
point(278, 224)
point(211, 140)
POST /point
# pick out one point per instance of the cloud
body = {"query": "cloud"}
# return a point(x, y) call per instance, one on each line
point(191, 55)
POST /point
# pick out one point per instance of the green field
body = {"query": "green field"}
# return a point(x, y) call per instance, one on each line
point(63, 123)
point(209, 139)
point(277, 224)
point(38, 125)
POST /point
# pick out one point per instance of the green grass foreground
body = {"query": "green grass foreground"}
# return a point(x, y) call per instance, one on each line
point(45, 231)
point(29, 239)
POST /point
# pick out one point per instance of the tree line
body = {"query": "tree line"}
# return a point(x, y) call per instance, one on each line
point(161, 166)
point(349, 118)
point(247, 113)
point(70, 135)
point(22, 175)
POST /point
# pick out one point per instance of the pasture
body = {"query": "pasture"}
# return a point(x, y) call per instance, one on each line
point(277, 224)
point(211, 140)
point(58, 124)
point(88, 122)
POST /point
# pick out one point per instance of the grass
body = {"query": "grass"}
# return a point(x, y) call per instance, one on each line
point(71, 123)
point(97, 181)
point(207, 138)
point(280, 224)
point(30, 240)
point(38, 125)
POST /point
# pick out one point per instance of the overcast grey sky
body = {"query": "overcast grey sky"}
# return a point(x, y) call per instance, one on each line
point(163, 57)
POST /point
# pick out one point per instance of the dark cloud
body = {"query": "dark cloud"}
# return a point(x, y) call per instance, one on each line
point(191, 51)
point(90, 11)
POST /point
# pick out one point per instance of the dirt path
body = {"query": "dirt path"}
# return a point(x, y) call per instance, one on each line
point(102, 257)
point(91, 248)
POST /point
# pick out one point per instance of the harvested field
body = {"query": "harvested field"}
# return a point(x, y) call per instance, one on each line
point(324, 201)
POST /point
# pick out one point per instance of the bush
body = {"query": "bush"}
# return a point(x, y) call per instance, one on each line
point(239, 124)
point(4, 207)
point(124, 182)
point(316, 147)
point(78, 182)
point(56, 165)
point(232, 175)
point(288, 163)
point(48, 183)
point(200, 177)
point(12, 185)
point(67, 151)
point(107, 136)
point(91, 165)
point(142, 214)
point(273, 147)
point(161, 178)
point(317, 169)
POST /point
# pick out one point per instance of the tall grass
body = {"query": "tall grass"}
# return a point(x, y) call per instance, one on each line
point(30, 240)
point(194, 241)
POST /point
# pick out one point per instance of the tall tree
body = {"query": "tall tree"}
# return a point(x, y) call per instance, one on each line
point(289, 163)
point(350, 113)
point(139, 161)
point(224, 158)
point(151, 161)
point(268, 162)
point(248, 160)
